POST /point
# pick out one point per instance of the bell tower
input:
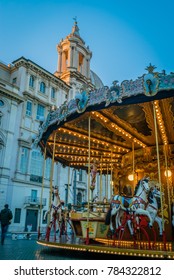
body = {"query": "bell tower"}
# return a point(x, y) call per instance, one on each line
point(74, 61)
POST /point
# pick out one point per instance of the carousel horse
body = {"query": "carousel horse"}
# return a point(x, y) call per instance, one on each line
point(153, 207)
point(135, 205)
point(55, 214)
point(93, 174)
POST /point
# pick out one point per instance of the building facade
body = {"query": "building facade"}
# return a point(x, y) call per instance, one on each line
point(27, 93)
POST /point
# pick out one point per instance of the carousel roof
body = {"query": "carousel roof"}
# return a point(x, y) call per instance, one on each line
point(121, 121)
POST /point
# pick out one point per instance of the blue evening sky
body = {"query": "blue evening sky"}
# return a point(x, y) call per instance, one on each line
point(123, 35)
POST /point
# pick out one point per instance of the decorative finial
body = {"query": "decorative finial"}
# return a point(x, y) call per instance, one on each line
point(75, 19)
point(150, 68)
point(75, 29)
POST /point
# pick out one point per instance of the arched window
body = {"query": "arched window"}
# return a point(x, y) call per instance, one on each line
point(42, 87)
point(31, 81)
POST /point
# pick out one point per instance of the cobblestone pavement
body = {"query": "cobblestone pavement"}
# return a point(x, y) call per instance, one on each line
point(24, 249)
point(29, 250)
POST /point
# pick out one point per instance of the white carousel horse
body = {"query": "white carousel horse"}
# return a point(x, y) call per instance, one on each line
point(153, 207)
point(135, 205)
point(55, 213)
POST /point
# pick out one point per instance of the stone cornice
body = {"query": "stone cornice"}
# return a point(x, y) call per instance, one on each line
point(35, 98)
point(11, 95)
point(41, 71)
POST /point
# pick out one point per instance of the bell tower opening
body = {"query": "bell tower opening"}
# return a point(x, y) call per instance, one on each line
point(80, 64)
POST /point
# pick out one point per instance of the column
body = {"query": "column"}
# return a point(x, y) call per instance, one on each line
point(60, 62)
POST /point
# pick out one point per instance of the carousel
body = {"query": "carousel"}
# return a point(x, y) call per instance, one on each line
point(126, 133)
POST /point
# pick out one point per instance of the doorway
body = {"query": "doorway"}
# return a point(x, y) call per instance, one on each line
point(31, 219)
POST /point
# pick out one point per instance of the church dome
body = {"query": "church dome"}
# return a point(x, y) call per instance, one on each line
point(95, 80)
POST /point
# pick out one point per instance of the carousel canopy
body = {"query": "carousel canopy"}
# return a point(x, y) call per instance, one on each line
point(121, 122)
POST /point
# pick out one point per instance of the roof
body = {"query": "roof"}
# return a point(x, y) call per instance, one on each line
point(22, 60)
point(121, 120)
point(95, 80)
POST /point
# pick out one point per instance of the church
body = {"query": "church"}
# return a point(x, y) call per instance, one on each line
point(28, 93)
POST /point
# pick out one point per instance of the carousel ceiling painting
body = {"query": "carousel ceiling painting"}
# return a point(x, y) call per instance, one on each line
point(133, 117)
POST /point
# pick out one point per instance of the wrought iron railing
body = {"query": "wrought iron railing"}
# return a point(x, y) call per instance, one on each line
point(35, 201)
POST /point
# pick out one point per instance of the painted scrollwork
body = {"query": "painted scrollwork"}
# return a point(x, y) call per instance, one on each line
point(113, 94)
point(82, 99)
point(151, 81)
point(63, 112)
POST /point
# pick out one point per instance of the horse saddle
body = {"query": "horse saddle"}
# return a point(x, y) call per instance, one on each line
point(126, 201)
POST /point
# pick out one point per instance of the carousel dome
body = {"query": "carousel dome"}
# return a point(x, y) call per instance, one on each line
point(95, 80)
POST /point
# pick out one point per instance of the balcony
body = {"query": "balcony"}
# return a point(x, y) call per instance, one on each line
point(34, 201)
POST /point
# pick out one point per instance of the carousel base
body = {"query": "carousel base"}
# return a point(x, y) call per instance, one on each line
point(113, 247)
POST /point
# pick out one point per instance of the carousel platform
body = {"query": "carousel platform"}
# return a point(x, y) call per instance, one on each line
point(113, 247)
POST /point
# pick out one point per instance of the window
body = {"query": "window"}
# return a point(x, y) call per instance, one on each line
point(47, 168)
point(29, 108)
point(53, 93)
point(31, 81)
point(17, 215)
point(36, 166)
point(33, 195)
point(14, 80)
point(81, 58)
point(79, 198)
point(24, 159)
point(80, 175)
point(42, 87)
point(40, 112)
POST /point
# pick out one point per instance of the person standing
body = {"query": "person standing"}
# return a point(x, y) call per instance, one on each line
point(5, 219)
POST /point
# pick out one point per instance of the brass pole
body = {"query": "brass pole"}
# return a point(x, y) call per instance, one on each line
point(51, 179)
point(158, 161)
point(111, 183)
point(167, 180)
point(41, 197)
point(68, 183)
point(89, 167)
point(133, 164)
point(100, 195)
point(107, 183)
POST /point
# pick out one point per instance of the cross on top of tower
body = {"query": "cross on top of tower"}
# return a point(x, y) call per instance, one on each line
point(75, 29)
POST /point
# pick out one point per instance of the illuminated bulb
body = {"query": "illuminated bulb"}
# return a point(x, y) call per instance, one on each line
point(130, 177)
point(168, 173)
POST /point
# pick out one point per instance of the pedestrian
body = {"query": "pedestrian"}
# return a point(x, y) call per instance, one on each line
point(5, 219)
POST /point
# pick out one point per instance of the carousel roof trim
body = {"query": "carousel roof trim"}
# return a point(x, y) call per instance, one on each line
point(149, 87)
